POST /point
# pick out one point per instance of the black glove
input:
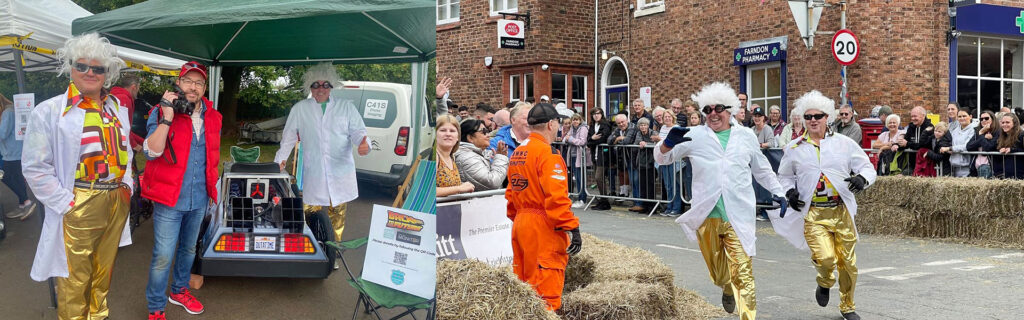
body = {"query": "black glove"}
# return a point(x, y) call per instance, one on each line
point(794, 199)
point(575, 242)
point(782, 205)
point(857, 183)
point(676, 135)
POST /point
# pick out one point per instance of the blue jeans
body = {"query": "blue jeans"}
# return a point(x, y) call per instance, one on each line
point(14, 179)
point(634, 183)
point(668, 179)
point(688, 179)
point(580, 183)
point(174, 236)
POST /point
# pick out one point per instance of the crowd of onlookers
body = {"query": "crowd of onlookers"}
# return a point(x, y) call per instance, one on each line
point(612, 156)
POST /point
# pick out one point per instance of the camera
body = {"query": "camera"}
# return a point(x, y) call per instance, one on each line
point(180, 105)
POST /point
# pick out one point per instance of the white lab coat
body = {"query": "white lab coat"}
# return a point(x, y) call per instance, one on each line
point(51, 155)
point(800, 168)
point(328, 167)
point(723, 173)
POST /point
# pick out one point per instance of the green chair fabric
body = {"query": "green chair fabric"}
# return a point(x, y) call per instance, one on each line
point(377, 295)
point(243, 155)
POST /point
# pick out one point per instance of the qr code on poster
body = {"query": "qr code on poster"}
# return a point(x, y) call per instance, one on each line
point(400, 258)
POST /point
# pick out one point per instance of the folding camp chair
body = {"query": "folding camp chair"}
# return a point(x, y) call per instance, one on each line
point(373, 296)
point(243, 155)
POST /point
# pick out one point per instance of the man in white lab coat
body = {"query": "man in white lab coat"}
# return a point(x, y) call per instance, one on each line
point(329, 128)
point(721, 218)
point(816, 169)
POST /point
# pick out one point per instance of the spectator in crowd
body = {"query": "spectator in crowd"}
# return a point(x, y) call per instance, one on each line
point(1004, 110)
point(441, 97)
point(642, 173)
point(484, 168)
point(677, 108)
point(657, 113)
point(514, 134)
point(794, 129)
point(545, 99)
point(501, 118)
point(508, 106)
point(463, 113)
point(485, 113)
point(883, 114)
point(695, 119)
point(575, 138)
point(741, 117)
point(775, 119)
point(959, 136)
point(847, 125)
point(983, 136)
point(448, 180)
point(765, 136)
point(10, 153)
point(640, 112)
point(452, 108)
point(599, 131)
point(1008, 140)
point(931, 160)
point(743, 100)
point(529, 100)
point(888, 161)
point(668, 172)
point(623, 134)
point(918, 134)
point(952, 109)
point(126, 91)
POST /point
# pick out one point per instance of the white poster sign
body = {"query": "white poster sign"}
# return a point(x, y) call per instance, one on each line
point(645, 95)
point(475, 229)
point(400, 253)
point(22, 109)
point(375, 109)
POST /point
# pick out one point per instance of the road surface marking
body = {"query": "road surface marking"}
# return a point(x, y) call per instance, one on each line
point(900, 277)
point(676, 247)
point(942, 263)
point(765, 260)
point(865, 271)
point(1009, 255)
point(974, 268)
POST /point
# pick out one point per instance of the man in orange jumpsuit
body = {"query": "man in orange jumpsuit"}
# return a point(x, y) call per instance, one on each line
point(544, 231)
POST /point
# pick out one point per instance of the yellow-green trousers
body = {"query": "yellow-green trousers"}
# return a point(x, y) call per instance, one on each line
point(831, 237)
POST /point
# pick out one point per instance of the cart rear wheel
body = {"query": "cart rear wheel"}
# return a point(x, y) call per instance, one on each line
point(321, 227)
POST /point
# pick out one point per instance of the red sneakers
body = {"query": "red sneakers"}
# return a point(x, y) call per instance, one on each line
point(185, 299)
point(157, 315)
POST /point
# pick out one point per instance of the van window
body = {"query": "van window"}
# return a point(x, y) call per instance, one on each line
point(378, 108)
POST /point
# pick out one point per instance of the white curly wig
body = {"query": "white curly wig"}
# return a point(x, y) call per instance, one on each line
point(90, 46)
point(814, 100)
point(716, 93)
point(320, 72)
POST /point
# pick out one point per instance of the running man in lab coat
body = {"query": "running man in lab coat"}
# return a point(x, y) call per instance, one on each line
point(329, 128)
point(816, 170)
point(721, 217)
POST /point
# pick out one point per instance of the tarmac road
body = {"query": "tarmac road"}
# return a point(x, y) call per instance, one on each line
point(899, 278)
point(223, 297)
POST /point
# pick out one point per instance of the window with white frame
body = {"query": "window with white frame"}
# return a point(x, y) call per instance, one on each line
point(504, 6)
point(558, 87)
point(579, 93)
point(528, 85)
point(447, 11)
point(764, 85)
point(646, 7)
point(515, 89)
point(990, 73)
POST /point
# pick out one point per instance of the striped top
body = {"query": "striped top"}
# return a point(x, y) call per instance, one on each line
point(103, 155)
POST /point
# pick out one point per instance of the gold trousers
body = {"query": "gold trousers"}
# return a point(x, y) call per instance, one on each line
point(336, 213)
point(92, 231)
point(728, 264)
point(830, 235)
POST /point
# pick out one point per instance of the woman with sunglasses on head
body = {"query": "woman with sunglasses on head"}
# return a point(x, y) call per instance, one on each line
point(1007, 139)
point(982, 137)
point(821, 171)
point(75, 159)
point(484, 168)
point(600, 128)
point(724, 156)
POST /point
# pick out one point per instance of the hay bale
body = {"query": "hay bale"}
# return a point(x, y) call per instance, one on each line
point(580, 271)
point(691, 306)
point(470, 289)
point(620, 300)
point(614, 262)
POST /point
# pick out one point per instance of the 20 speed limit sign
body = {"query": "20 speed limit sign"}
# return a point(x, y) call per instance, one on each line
point(845, 47)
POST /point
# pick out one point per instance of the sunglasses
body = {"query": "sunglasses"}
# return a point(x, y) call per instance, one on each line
point(844, 113)
point(985, 118)
point(97, 70)
point(715, 108)
point(318, 85)
point(817, 116)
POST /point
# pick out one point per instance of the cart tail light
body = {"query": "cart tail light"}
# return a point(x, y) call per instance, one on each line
point(297, 243)
point(402, 143)
point(232, 242)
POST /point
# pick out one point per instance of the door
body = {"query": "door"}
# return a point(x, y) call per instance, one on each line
point(617, 99)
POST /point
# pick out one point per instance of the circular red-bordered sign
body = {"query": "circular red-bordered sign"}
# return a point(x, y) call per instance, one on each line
point(512, 29)
point(845, 47)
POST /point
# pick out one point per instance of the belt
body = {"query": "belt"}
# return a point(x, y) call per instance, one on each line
point(100, 185)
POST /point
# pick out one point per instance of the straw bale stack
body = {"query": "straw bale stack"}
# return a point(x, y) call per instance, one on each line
point(622, 299)
point(470, 289)
point(614, 262)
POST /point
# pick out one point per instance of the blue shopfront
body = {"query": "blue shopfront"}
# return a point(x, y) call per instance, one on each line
point(762, 68)
point(986, 57)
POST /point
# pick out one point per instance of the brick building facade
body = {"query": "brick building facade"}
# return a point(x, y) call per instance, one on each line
point(675, 47)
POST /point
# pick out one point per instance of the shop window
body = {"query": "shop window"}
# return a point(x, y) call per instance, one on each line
point(514, 89)
point(528, 85)
point(504, 6)
point(447, 11)
point(648, 7)
point(558, 86)
point(764, 85)
point(990, 73)
point(579, 93)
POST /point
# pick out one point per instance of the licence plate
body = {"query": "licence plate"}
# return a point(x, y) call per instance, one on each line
point(264, 243)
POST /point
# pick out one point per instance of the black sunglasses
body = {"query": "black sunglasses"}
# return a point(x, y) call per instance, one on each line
point(844, 113)
point(97, 70)
point(318, 85)
point(986, 118)
point(715, 108)
point(817, 116)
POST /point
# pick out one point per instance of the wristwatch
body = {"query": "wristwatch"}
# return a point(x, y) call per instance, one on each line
point(164, 121)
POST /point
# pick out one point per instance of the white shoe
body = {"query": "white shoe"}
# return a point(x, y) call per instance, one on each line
point(578, 204)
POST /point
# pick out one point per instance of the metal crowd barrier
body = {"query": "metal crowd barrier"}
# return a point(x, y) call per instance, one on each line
point(471, 195)
point(1015, 157)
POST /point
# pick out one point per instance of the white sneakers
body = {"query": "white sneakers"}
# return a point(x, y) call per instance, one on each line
point(23, 211)
point(578, 204)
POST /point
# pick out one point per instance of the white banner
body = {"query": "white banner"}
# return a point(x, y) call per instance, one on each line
point(23, 104)
point(400, 252)
point(475, 229)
